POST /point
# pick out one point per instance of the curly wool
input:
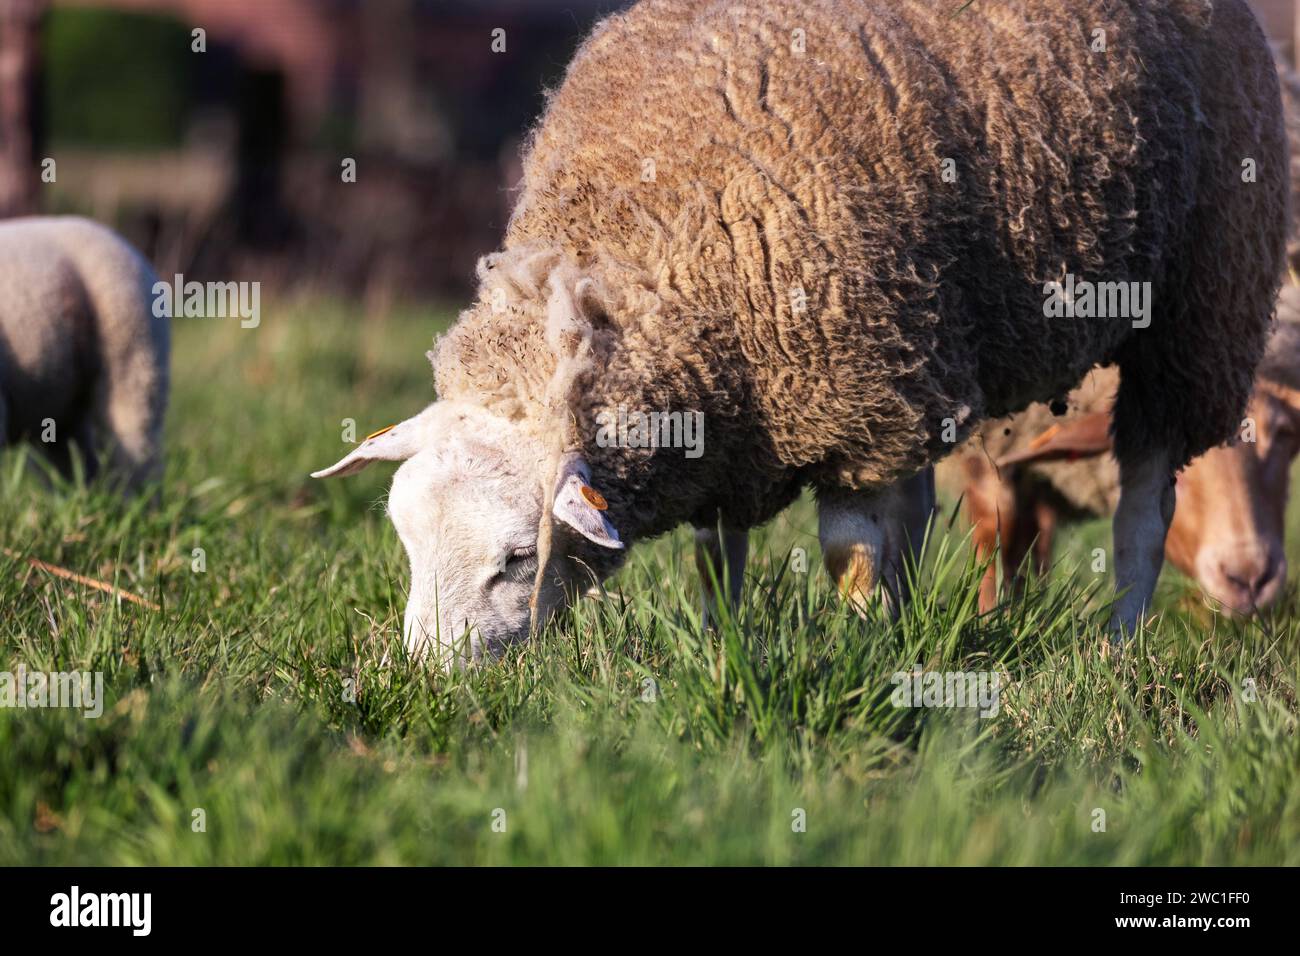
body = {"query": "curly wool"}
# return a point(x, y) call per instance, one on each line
point(766, 235)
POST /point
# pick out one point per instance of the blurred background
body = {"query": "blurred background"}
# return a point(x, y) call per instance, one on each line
point(227, 162)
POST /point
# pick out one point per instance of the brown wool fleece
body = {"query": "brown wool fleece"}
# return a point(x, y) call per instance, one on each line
point(765, 235)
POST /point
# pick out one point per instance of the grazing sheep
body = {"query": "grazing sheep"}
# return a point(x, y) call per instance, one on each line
point(83, 358)
point(827, 227)
point(1020, 477)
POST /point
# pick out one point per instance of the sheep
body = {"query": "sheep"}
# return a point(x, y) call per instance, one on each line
point(1019, 477)
point(830, 229)
point(83, 356)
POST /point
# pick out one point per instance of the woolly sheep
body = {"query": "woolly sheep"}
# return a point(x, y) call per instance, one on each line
point(83, 358)
point(827, 227)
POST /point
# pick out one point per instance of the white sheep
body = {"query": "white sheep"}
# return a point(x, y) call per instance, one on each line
point(83, 357)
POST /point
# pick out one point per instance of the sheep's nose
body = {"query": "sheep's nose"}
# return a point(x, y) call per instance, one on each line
point(1253, 580)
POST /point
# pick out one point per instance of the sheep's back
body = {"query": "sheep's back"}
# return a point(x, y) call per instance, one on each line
point(75, 302)
point(48, 355)
point(790, 210)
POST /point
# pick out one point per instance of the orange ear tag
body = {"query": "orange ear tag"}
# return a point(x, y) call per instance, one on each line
point(378, 433)
point(594, 498)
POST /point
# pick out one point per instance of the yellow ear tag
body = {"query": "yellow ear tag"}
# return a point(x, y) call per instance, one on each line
point(378, 433)
point(594, 498)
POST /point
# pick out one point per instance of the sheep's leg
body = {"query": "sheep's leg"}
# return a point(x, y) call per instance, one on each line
point(720, 558)
point(1032, 535)
point(131, 422)
point(866, 538)
point(84, 442)
point(918, 502)
point(1146, 509)
point(1045, 521)
point(75, 440)
point(993, 508)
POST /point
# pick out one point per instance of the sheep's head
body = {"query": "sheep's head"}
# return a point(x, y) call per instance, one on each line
point(1230, 524)
point(501, 526)
point(467, 503)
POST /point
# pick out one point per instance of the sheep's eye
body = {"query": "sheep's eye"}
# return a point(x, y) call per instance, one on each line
point(511, 565)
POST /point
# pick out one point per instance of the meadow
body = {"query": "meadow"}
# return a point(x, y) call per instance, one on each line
point(265, 713)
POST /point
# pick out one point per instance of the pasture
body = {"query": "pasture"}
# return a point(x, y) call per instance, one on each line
point(266, 714)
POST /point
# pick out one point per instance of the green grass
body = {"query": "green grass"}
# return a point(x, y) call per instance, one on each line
point(271, 691)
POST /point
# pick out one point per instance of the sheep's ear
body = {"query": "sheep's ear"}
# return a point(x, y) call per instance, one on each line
point(581, 506)
point(1081, 437)
point(394, 443)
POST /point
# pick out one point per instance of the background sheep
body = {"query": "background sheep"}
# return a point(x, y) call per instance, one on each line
point(83, 359)
point(716, 219)
point(1021, 477)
